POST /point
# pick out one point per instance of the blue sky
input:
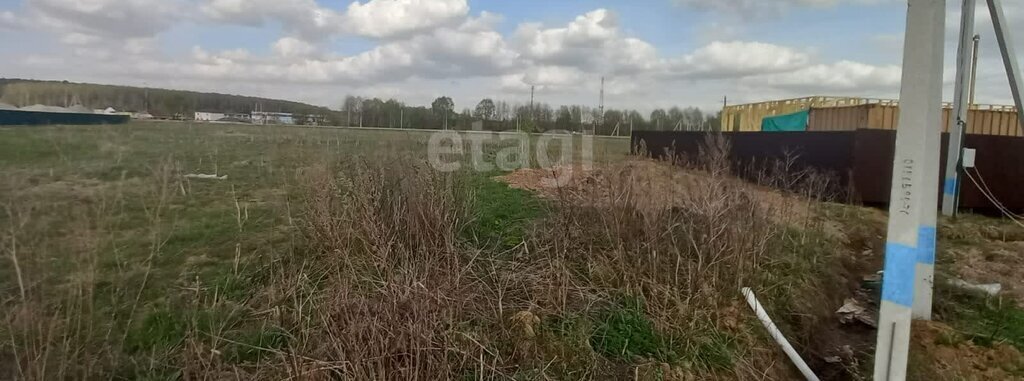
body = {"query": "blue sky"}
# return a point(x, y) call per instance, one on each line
point(653, 53)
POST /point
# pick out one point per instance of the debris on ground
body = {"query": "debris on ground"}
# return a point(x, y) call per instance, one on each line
point(991, 289)
point(205, 176)
point(843, 354)
point(853, 311)
point(992, 261)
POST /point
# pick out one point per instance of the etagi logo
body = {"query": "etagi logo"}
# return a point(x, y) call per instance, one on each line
point(447, 150)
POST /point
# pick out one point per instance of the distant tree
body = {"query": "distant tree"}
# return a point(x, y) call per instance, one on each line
point(528, 126)
point(521, 112)
point(693, 118)
point(543, 113)
point(485, 110)
point(563, 120)
point(714, 122)
point(442, 107)
point(350, 105)
point(611, 118)
point(658, 118)
point(577, 114)
point(635, 120)
point(675, 117)
point(502, 110)
point(360, 108)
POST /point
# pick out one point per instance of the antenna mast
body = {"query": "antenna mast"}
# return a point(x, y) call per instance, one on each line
point(600, 108)
point(531, 103)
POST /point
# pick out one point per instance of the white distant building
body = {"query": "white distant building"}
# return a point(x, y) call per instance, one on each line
point(208, 116)
point(237, 117)
point(263, 117)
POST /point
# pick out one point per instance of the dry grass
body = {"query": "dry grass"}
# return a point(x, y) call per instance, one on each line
point(394, 288)
point(313, 262)
point(373, 268)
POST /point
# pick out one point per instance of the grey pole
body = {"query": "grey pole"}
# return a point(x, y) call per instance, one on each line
point(974, 69)
point(958, 116)
point(1009, 57)
point(914, 196)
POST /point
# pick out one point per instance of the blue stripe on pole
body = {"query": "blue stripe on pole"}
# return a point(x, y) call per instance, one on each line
point(949, 187)
point(898, 277)
point(926, 245)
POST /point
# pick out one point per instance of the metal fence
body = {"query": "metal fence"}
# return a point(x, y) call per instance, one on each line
point(19, 117)
point(860, 159)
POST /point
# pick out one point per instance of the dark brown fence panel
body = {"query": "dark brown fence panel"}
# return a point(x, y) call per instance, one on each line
point(19, 117)
point(861, 159)
point(751, 152)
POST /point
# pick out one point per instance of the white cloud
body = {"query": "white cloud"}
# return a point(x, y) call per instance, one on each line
point(108, 19)
point(554, 76)
point(291, 47)
point(140, 45)
point(299, 17)
point(310, 20)
point(427, 48)
point(751, 8)
point(9, 20)
point(738, 59)
point(467, 50)
point(843, 77)
point(593, 41)
point(762, 9)
point(390, 18)
point(75, 38)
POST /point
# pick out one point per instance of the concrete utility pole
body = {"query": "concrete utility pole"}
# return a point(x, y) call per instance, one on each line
point(958, 116)
point(600, 108)
point(964, 95)
point(1006, 47)
point(974, 67)
point(910, 242)
point(531, 104)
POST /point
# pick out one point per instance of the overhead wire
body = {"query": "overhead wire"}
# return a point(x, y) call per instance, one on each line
point(990, 195)
point(993, 194)
point(991, 198)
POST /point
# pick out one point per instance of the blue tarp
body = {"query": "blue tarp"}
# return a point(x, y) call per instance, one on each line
point(796, 121)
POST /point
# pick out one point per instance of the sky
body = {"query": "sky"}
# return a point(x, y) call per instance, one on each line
point(652, 53)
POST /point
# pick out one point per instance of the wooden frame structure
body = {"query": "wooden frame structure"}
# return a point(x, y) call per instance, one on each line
point(849, 113)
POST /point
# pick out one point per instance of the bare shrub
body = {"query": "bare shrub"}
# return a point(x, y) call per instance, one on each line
point(687, 255)
point(392, 290)
point(389, 280)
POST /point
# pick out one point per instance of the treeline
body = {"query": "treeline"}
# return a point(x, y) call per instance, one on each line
point(489, 114)
point(159, 102)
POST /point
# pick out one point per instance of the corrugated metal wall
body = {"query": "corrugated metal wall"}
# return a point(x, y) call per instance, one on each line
point(19, 117)
point(861, 159)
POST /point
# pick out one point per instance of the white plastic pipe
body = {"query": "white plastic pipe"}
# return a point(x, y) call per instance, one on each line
point(762, 315)
point(205, 176)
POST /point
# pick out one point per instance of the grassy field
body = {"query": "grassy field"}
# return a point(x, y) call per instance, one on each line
point(116, 256)
point(340, 254)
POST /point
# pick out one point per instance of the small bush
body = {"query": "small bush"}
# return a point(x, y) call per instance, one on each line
point(624, 332)
point(501, 214)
